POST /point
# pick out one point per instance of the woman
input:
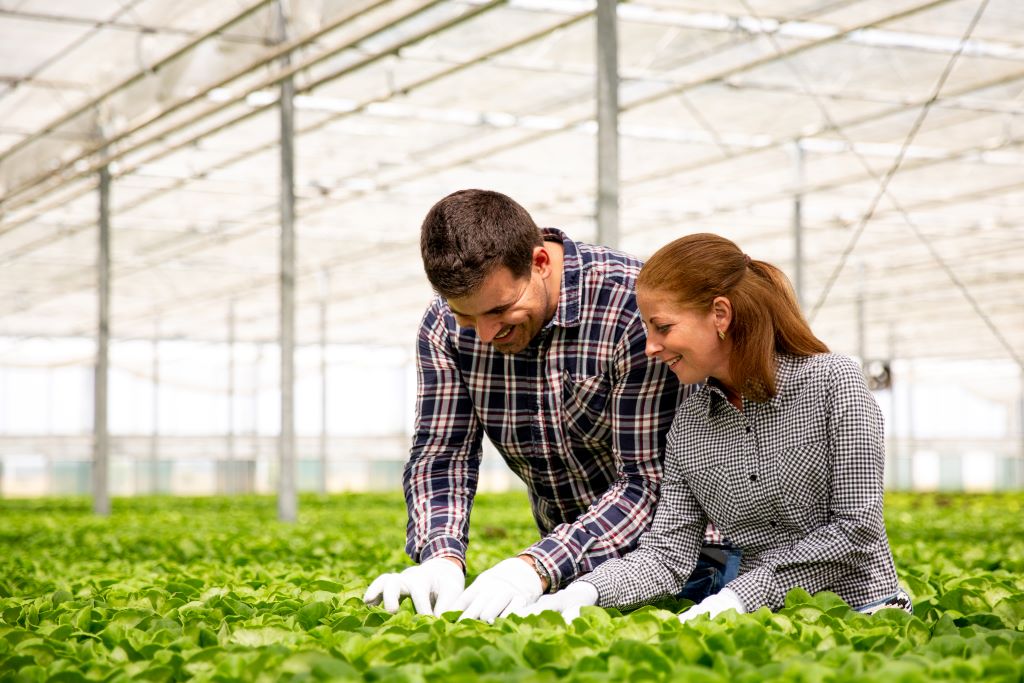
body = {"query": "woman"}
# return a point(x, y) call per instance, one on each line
point(781, 448)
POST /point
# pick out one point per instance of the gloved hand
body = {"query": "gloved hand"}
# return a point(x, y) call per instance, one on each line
point(566, 602)
point(713, 605)
point(438, 579)
point(508, 585)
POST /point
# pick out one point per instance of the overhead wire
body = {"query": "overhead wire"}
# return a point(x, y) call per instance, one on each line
point(332, 200)
point(678, 88)
point(346, 198)
point(40, 185)
point(903, 13)
point(65, 50)
point(61, 120)
point(883, 182)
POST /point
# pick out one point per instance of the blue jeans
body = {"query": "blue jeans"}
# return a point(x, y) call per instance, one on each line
point(717, 565)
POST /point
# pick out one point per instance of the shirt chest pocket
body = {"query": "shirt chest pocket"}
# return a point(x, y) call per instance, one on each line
point(584, 400)
point(714, 494)
point(802, 488)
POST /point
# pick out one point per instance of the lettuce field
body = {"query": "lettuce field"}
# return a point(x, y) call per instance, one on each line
point(216, 590)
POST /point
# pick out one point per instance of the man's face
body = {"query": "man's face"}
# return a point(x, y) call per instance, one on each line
point(506, 312)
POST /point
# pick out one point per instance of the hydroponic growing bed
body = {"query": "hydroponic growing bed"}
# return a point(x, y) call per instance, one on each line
point(216, 589)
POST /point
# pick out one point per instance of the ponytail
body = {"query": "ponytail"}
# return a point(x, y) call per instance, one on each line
point(766, 319)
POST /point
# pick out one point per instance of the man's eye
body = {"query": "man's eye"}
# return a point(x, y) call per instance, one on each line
point(662, 329)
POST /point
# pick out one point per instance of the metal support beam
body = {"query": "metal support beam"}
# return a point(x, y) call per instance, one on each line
point(80, 21)
point(153, 483)
point(69, 169)
point(900, 477)
point(257, 365)
point(325, 292)
point(1017, 478)
point(231, 476)
point(908, 415)
point(861, 350)
point(148, 70)
point(50, 483)
point(798, 223)
point(287, 503)
point(101, 440)
point(607, 124)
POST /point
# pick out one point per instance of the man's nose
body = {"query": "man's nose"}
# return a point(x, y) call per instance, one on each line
point(487, 329)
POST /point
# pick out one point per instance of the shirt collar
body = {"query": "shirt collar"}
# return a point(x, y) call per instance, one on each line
point(570, 294)
point(784, 368)
point(710, 396)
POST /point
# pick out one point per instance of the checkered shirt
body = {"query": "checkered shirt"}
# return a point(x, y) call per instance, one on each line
point(795, 482)
point(580, 416)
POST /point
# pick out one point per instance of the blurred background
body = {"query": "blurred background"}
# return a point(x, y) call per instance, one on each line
point(209, 211)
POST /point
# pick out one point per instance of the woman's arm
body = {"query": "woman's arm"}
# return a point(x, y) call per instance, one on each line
point(665, 555)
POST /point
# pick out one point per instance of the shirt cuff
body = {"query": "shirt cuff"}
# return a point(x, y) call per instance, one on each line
point(756, 589)
point(559, 560)
point(606, 594)
point(444, 546)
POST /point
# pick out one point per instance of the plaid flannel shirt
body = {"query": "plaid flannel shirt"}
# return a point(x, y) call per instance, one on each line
point(796, 482)
point(580, 416)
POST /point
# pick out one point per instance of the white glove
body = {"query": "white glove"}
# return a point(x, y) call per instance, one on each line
point(507, 586)
point(566, 602)
point(438, 579)
point(713, 605)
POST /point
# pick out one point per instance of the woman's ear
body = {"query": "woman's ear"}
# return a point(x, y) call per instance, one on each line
point(721, 307)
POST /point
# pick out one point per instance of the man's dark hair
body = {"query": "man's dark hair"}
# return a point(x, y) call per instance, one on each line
point(469, 233)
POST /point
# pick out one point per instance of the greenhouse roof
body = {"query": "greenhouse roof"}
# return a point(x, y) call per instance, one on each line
point(894, 125)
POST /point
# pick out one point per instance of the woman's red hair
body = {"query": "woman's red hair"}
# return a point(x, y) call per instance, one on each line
point(766, 319)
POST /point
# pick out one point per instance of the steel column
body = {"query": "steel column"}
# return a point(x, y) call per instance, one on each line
point(231, 476)
point(101, 438)
point(798, 223)
point(1017, 480)
point(908, 414)
point(154, 438)
point(861, 322)
point(255, 433)
point(325, 290)
point(287, 503)
point(607, 124)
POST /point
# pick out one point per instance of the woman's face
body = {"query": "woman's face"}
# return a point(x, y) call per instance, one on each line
point(685, 339)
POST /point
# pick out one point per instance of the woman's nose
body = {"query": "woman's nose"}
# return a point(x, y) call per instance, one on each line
point(652, 348)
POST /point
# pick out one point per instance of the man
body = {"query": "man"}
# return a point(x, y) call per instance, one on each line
point(535, 341)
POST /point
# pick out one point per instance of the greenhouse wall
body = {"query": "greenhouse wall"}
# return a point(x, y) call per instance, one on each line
point(950, 425)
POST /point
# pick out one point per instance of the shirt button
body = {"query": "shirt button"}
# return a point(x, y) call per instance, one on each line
point(753, 477)
point(773, 523)
point(748, 429)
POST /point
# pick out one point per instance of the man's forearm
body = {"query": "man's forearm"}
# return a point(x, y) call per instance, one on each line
point(610, 527)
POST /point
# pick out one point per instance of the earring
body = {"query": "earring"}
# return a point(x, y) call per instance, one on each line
point(721, 335)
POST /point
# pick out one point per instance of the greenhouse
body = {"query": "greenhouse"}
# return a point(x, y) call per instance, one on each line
point(247, 404)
